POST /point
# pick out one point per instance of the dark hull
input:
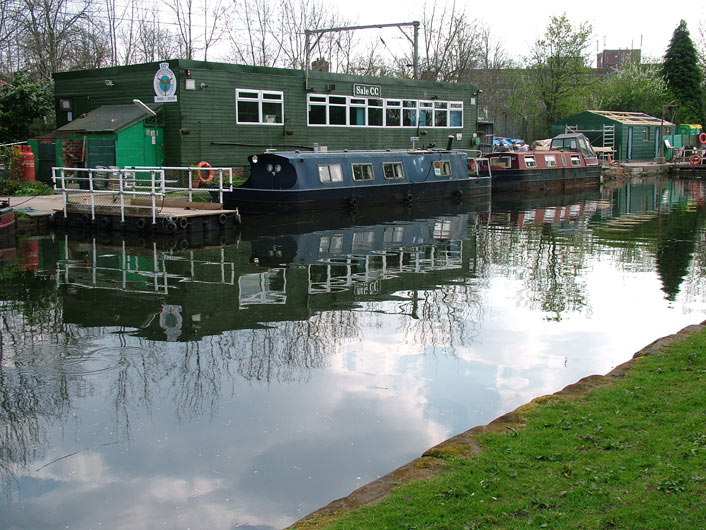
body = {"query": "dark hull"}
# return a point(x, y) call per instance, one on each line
point(253, 201)
point(543, 179)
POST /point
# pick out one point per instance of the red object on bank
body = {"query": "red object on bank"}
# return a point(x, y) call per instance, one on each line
point(25, 162)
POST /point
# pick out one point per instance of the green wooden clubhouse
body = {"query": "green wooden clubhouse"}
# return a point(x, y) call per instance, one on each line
point(222, 113)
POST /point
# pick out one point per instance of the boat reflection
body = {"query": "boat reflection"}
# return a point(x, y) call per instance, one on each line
point(230, 286)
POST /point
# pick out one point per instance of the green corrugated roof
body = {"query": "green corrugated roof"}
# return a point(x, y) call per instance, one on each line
point(107, 119)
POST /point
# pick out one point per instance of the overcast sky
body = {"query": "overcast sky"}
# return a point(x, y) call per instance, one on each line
point(616, 23)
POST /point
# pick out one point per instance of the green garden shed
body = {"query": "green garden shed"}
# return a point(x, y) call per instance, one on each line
point(113, 135)
point(631, 135)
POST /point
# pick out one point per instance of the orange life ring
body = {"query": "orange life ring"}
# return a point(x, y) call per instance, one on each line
point(204, 164)
point(702, 138)
point(694, 160)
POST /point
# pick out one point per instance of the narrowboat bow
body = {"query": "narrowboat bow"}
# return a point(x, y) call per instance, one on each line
point(285, 182)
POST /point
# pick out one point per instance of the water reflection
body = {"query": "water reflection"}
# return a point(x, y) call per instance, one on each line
point(247, 379)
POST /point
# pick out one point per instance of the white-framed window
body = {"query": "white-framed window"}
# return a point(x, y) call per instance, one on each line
point(409, 113)
point(426, 114)
point(356, 112)
point(393, 113)
point(575, 160)
point(442, 168)
point(375, 112)
point(259, 107)
point(441, 114)
point(550, 160)
point(456, 114)
point(318, 110)
point(362, 171)
point(393, 170)
point(330, 173)
point(530, 161)
point(350, 111)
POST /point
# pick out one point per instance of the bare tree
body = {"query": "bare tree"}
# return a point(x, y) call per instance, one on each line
point(152, 41)
point(91, 48)
point(255, 44)
point(49, 29)
point(296, 16)
point(195, 36)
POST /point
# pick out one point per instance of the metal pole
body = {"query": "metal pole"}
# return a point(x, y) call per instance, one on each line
point(415, 59)
point(661, 128)
point(306, 58)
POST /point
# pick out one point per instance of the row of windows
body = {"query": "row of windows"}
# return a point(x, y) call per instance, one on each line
point(530, 161)
point(350, 111)
point(266, 107)
point(362, 172)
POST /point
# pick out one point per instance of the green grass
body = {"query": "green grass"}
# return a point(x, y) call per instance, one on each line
point(630, 453)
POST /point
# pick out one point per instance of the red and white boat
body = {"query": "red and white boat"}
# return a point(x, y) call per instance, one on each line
point(570, 162)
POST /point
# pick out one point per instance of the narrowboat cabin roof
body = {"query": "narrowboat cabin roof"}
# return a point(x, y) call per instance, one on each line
point(310, 170)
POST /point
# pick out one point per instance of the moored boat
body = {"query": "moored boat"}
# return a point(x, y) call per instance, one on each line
point(285, 182)
point(7, 221)
point(570, 162)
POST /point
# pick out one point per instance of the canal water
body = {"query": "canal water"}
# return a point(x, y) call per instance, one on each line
point(242, 380)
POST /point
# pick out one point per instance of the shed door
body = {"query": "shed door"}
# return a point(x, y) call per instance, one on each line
point(100, 152)
point(46, 160)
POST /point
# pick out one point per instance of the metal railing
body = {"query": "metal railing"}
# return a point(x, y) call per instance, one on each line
point(136, 190)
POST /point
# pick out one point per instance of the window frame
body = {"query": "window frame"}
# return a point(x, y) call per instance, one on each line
point(405, 113)
point(362, 165)
point(259, 100)
point(443, 166)
point(394, 165)
point(332, 177)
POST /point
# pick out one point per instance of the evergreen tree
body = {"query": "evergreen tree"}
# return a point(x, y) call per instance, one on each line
point(683, 76)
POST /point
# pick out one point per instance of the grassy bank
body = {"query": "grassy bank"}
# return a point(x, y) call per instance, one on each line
point(627, 450)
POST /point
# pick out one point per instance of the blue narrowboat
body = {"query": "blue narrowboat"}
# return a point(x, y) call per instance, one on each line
point(286, 182)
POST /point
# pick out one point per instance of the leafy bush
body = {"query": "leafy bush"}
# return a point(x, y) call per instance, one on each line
point(17, 187)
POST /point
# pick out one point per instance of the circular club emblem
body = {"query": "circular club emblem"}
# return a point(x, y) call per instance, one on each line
point(164, 81)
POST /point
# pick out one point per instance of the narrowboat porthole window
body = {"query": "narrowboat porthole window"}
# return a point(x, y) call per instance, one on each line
point(563, 160)
point(330, 173)
point(393, 170)
point(530, 161)
point(393, 234)
point(442, 168)
point(362, 171)
point(550, 160)
point(262, 107)
point(575, 160)
point(331, 244)
point(363, 240)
